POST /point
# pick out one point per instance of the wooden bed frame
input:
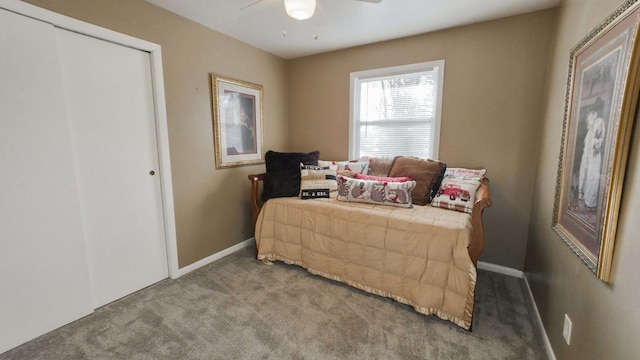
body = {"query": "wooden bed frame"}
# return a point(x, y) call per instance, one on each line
point(483, 200)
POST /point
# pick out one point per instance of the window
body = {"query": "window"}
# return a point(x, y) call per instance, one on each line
point(396, 111)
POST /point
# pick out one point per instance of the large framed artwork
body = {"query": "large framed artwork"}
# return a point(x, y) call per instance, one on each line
point(237, 122)
point(600, 108)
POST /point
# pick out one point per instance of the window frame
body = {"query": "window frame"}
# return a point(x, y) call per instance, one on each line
point(354, 98)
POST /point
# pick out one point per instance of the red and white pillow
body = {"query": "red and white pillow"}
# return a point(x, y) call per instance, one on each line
point(458, 189)
point(354, 166)
point(382, 178)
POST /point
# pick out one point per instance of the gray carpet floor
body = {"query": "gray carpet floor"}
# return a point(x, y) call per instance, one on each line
point(239, 308)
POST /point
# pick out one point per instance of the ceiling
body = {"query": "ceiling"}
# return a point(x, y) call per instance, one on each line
point(339, 24)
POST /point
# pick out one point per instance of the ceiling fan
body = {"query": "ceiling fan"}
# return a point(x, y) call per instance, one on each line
point(301, 9)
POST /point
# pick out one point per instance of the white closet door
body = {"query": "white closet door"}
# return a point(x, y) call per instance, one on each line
point(44, 281)
point(110, 106)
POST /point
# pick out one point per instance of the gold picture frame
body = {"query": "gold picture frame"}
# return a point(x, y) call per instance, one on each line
point(237, 122)
point(600, 108)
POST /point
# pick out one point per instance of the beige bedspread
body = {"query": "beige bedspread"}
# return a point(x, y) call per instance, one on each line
point(416, 256)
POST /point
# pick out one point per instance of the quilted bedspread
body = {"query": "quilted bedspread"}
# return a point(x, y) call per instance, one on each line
point(417, 256)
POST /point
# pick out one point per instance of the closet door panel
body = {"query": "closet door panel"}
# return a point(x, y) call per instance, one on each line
point(44, 281)
point(109, 97)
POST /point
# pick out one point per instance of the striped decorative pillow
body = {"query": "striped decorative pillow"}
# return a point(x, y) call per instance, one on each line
point(317, 181)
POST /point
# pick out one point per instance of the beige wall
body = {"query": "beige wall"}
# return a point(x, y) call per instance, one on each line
point(493, 94)
point(211, 206)
point(493, 104)
point(606, 319)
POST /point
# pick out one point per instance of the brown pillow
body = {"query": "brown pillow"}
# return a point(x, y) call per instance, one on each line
point(425, 172)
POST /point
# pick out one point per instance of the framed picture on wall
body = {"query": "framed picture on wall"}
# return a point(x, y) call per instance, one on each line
point(600, 107)
point(237, 122)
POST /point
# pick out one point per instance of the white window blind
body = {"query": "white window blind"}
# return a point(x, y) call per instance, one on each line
point(396, 111)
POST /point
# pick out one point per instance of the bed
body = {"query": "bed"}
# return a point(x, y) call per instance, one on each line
point(422, 256)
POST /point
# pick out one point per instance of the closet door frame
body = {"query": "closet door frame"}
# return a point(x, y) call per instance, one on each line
point(162, 135)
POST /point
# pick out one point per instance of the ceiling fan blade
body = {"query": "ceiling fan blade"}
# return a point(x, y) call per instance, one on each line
point(250, 4)
point(320, 17)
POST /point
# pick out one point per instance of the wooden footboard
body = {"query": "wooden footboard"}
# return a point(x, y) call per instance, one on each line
point(483, 200)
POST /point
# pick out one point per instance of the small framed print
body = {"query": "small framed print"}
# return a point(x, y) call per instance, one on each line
point(237, 122)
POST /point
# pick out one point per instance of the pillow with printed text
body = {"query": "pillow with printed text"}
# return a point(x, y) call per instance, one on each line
point(458, 189)
point(317, 181)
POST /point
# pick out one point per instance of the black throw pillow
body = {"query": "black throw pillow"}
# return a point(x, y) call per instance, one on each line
point(282, 178)
point(436, 186)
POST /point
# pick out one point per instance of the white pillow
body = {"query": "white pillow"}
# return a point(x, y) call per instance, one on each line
point(317, 181)
point(355, 166)
point(458, 189)
point(375, 192)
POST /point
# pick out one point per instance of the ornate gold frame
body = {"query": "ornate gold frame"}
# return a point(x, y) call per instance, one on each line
point(237, 122)
point(600, 107)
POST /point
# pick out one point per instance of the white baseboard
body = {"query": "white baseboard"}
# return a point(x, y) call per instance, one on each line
point(500, 269)
point(545, 338)
point(217, 256)
point(519, 274)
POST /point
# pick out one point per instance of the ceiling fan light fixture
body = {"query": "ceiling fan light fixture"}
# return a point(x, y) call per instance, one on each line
point(300, 9)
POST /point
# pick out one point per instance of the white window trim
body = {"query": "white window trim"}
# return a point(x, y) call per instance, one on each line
point(354, 135)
